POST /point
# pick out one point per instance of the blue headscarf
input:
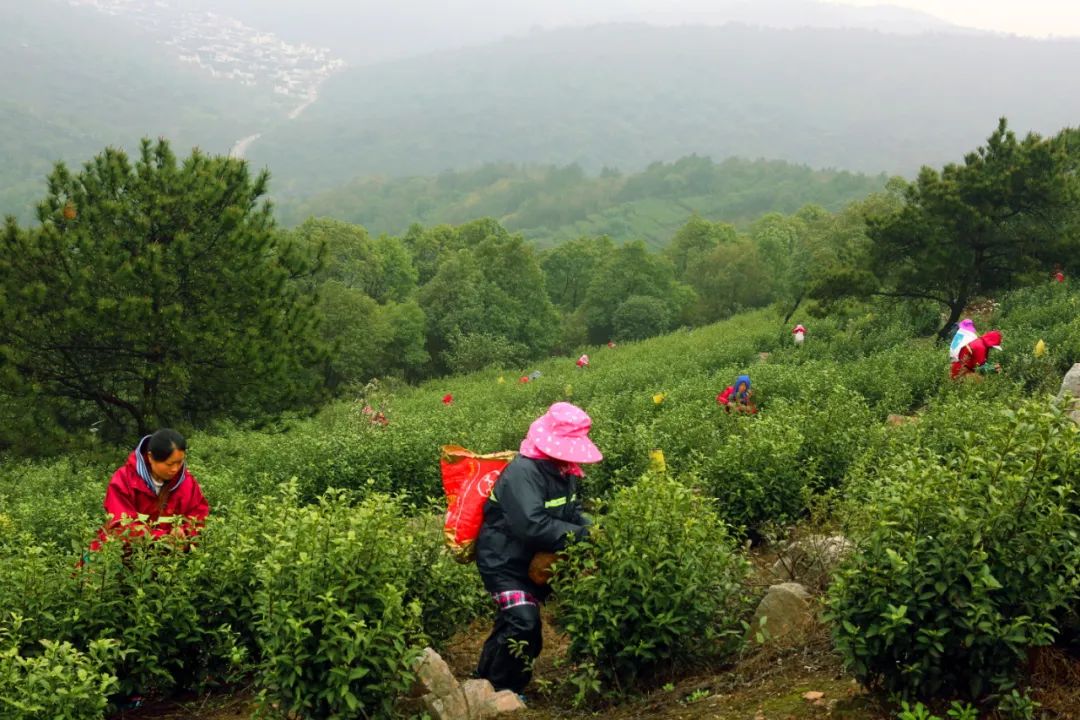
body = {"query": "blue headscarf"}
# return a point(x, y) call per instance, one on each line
point(745, 392)
point(143, 470)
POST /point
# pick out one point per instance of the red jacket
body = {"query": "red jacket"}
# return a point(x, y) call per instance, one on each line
point(725, 397)
point(973, 355)
point(180, 502)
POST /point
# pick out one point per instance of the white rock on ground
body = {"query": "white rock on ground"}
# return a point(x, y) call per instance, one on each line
point(787, 608)
point(811, 559)
point(1070, 386)
point(445, 699)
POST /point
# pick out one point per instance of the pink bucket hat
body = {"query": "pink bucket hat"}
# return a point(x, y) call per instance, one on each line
point(562, 433)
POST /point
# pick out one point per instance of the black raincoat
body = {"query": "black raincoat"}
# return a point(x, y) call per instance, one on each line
point(533, 508)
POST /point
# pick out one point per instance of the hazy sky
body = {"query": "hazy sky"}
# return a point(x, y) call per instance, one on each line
point(1023, 17)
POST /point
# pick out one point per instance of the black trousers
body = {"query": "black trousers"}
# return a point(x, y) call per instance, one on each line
point(505, 667)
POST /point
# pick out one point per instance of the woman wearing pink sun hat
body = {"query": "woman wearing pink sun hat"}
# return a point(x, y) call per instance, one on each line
point(533, 508)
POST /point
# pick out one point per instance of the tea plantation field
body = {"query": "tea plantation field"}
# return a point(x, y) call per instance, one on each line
point(321, 572)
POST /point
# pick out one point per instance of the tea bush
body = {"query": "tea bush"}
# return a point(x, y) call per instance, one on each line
point(969, 560)
point(335, 630)
point(189, 618)
point(144, 594)
point(754, 473)
point(58, 681)
point(658, 583)
point(449, 593)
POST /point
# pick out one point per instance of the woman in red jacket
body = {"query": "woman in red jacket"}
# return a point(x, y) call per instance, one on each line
point(974, 356)
point(154, 487)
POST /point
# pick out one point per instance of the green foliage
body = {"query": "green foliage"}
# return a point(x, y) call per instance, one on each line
point(61, 682)
point(150, 597)
point(448, 592)
point(976, 228)
point(658, 583)
point(968, 559)
point(918, 711)
point(694, 239)
point(627, 272)
point(364, 288)
point(754, 472)
point(480, 350)
point(492, 286)
point(570, 267)
point(729, 279)
point(555, 205)
point(639, 317)
point(155, 292)
point(335, 629)
point(381, 268)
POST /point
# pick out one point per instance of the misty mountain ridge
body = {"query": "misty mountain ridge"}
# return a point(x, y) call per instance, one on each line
point(616, 95)
point(81, 80)
point(625, 96)
point(367, 31)
point(795, 14)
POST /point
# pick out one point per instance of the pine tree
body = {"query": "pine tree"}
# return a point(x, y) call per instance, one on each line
point(157, 291)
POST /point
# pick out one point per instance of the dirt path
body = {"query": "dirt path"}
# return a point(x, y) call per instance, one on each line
point(765, 684)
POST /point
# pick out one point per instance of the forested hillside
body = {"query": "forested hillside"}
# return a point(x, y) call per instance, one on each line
point(625, 96)
point(75, 80)
point(269, 320)
point(549, 204)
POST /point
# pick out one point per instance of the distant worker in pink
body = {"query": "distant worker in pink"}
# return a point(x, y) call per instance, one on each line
point(974, 356)
point(799, 333)
point(533, 508)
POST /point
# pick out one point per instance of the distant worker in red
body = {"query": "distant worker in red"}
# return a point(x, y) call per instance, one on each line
point(1059, 275)
point(154, 486)
point(799, 333)
point(583, 362)
point(974, 355)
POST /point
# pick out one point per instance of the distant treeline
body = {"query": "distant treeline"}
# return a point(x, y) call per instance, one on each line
point(549, 204)
point(161, 290)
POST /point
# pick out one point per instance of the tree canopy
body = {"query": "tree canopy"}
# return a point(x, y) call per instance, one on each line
point(155, 292)
point(980, 226)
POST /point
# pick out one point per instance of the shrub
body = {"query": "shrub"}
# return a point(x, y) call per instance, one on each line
point(449, 593)
point(640, 317)
point(470, 352)
point(335, 631)
point(144, 594)
point(755, 473)
point(970, 560)
point(231, 547)
point(58, 682)
point(657, 584)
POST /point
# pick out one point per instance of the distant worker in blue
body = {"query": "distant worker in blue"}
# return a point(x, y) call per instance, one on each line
point(737, 396)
